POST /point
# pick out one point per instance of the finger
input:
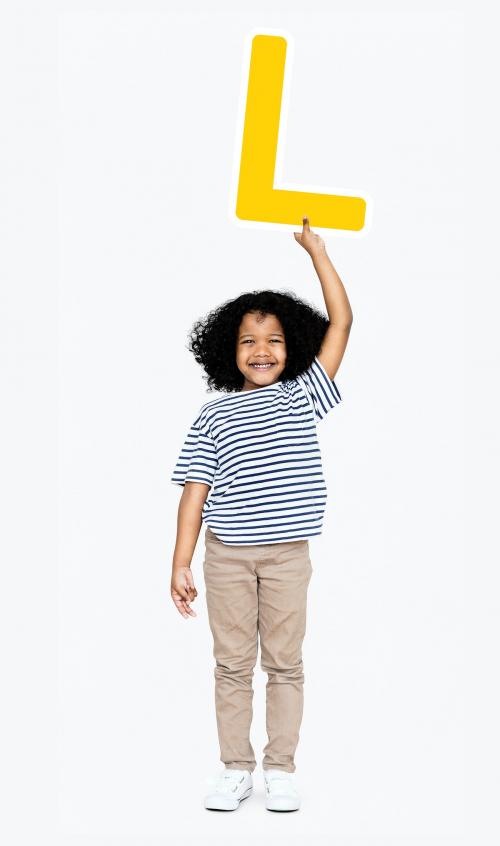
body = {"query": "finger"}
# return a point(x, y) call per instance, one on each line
point(189, 598)
point(180, 605)
point(184, 608)
point(305, 224)
point(183, 593)
point(189, 609)
point(180, 594)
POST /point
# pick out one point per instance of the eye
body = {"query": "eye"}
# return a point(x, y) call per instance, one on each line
point(250, 341)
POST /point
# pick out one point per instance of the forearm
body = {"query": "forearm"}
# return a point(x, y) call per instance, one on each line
point(336, 300)
point(188, 529)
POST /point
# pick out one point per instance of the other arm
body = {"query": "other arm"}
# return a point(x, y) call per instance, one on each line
point(188, 529)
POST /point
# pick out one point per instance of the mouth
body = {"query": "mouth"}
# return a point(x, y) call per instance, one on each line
point(262, 366)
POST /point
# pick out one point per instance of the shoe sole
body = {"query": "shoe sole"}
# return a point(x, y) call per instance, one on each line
point(274, 805)
point(213, 806)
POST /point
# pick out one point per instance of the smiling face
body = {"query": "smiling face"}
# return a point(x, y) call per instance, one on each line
point(260, 341)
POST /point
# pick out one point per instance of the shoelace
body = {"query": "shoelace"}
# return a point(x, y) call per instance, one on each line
point(227, 782)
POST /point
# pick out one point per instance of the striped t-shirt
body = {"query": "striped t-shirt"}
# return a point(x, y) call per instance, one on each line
point(259, 452)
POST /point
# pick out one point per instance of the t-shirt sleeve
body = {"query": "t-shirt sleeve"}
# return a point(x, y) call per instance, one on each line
point(197, 461)
point(321, 391)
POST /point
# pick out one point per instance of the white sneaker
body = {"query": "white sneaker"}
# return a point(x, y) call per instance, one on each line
point(281, 793)
point(228, 789)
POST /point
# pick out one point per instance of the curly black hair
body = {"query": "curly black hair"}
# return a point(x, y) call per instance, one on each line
point(213, 336)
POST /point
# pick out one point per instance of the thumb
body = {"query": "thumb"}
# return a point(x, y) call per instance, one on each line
point(297, 236)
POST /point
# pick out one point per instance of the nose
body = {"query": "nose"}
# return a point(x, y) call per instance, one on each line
point(262, 349)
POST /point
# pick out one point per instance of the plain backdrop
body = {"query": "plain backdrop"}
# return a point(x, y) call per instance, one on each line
point(143, 142)
point(147, 113)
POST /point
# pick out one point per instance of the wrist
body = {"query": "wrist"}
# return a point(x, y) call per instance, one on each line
point(318, 253)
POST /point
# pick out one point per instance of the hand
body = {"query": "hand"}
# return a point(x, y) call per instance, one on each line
point(311, 242)
point(183, 590)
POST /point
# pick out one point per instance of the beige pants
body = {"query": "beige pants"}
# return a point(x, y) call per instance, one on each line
point(257, 589)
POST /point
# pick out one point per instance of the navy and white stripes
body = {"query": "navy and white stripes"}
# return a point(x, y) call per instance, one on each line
point(258, 451)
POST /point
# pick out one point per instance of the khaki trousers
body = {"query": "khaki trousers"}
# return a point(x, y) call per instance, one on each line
point(251, 590)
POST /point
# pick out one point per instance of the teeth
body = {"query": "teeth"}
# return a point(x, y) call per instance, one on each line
point(261, 366)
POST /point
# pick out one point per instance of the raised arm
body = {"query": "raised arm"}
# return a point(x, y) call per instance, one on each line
point(336, 300)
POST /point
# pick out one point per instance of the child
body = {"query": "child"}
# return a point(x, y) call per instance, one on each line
point(256, 451)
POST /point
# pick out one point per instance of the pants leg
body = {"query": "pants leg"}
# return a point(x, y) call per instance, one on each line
point(283, 578)
point(232, 603)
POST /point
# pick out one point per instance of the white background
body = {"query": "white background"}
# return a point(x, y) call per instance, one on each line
point(127, 212)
